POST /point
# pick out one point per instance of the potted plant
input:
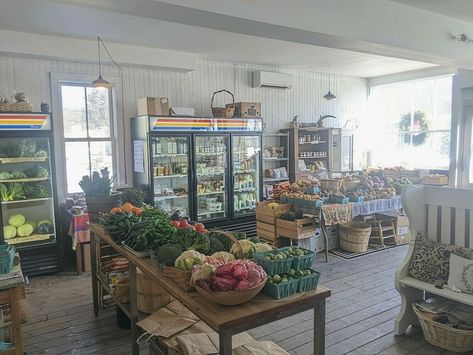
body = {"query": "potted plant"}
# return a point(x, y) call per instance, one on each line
point(98, 193)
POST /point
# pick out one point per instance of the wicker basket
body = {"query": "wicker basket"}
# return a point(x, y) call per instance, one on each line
point(351, 184)
point(183, 278)
point(16, 107)
point(354, 236)
point(330, 184)
point(223, 111)
point(230, 298)
point(442, 335)
point(150, 296)
point(122, 290)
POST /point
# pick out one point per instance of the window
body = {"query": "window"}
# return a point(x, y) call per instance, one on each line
point(88, 132)
point(409, 124)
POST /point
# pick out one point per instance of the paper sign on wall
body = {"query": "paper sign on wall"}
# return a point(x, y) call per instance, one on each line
point(138, 156)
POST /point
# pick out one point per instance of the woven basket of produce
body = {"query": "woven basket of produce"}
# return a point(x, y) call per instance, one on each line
point(150, 296)
point(181, 277)
point(223, 111)
point(16, 107)
point(354, 236)
point(443, 335)
point(230, 298)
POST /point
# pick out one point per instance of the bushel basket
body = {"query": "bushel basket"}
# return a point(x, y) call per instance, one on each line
point(354, 236)
point(223, 111)
point(442, 335)
point(230, 298)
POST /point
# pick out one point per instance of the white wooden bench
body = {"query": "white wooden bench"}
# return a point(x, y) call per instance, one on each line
point(442, 214)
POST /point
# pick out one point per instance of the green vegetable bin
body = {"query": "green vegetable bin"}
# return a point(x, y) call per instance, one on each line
point(7, 254)
point(282, 289)
point(308, 282)
point(302, 262)
point(273, 267)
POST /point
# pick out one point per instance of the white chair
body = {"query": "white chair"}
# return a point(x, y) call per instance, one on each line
point(442, 214)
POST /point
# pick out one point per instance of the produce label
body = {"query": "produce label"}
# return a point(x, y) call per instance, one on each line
point(24, 121)
point(206, 124)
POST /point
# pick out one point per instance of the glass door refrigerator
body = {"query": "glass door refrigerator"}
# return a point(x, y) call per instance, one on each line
point(215, 177)
point(28, 190)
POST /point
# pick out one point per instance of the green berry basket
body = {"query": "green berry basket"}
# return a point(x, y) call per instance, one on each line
point(273, 267)
point(282, 289)
point(309, 282)
point(302, 262)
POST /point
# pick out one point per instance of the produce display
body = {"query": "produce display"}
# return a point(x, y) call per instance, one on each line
point(18, 226)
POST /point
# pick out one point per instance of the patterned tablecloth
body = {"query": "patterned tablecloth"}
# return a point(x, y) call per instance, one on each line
point(335, 213)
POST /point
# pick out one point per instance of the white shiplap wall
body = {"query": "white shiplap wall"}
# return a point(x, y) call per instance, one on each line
point(194, 89)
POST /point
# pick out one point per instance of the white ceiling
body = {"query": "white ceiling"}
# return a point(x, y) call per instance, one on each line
point(460, 9)
point(80, 22)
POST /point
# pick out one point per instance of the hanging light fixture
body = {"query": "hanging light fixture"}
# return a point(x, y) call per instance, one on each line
point(329, 96)
point(101, 83)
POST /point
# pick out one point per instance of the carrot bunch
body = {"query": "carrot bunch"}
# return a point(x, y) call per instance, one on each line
point(127, 207)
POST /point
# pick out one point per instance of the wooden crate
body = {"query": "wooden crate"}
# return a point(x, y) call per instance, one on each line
point(266, 232)
point(269, 215)
point(298, 229)
point(275, 242)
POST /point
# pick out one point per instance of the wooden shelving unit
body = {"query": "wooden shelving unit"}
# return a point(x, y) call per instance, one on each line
point(280, 139)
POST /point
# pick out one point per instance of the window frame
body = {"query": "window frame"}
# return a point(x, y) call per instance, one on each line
point(117, 126)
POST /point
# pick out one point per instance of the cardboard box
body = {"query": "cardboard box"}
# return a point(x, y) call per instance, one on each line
point(153, 106)
point(246, 109)
point(402, 224)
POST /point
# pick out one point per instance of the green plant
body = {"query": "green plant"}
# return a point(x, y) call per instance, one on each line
point(135, 196)
point(168, 254)
point(99, 185)
point(11, 192)
point(192, 240)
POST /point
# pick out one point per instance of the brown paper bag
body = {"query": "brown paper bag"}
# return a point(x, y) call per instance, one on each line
point(196, 328)
point(260, 348)
point(206, 344)
point(165, 323)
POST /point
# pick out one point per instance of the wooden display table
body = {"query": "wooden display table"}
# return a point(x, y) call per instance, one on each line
point(225, 320)
point(11, 292)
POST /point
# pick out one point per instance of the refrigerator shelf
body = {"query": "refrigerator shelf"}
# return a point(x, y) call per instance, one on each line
point(207, 154)
point(246, 190)
point(211, 193)
point(212, 174)
point(170, 176)
point(22, 160)
point(275, 179)
point(35, 179)
point(168, 155)
point(31, 238)
point(33, 200)
point(245, 171)
point(208, 213)
point(168, 197)
point(246, 209)
point(275, 159)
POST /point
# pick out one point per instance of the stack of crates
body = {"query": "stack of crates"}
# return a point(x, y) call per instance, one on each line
point(266, 214)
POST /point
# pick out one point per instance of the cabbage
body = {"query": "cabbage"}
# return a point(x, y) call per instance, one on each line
point(25, 230)
point(33, 224)
point(260, 247)
point(223, 256)
point(45, 227)
point(9, 232)
point(188, 259)
point(16, 220)
point(248, 248)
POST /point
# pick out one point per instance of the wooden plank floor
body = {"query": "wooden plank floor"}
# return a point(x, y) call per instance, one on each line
point(360, 314)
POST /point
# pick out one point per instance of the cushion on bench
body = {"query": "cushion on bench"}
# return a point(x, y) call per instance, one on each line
point(464, 298)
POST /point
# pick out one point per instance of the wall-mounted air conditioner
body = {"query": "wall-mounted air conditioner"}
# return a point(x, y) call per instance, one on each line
point(272, 80)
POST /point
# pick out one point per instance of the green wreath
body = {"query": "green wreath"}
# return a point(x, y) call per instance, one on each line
point(420, 123)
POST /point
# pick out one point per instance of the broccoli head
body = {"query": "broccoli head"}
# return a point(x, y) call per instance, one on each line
point(168, 254)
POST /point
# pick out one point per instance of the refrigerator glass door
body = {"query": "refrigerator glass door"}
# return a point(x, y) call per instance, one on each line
point(26, 192)
point(211, 172)
point(246, 157)
point(170, 171)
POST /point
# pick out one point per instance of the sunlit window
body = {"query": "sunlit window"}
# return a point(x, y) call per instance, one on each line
point(409, 124)
point(88, 129)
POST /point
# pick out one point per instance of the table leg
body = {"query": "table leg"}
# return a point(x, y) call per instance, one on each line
point(93, 264)
point(16, 319)
point(225, 342)
point(324, 233)
point(134, 309)
point(79, 258)
point(319, 328)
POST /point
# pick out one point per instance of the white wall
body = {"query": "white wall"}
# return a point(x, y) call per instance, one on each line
point(32, 76)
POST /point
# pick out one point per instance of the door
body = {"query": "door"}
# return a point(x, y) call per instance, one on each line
point(466, 168)
point(27, 192)
point(211, 171)
point(246, 164)
point(170, 156)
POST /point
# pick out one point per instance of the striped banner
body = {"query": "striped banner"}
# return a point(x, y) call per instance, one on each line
point(206, 124)
point(27, 121)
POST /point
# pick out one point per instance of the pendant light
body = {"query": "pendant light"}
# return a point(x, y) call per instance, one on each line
point(100, 83)
point(329, 96)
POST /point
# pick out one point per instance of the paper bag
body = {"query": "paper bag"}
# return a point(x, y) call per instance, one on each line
point(165, 323)
point(206, 344)
point(173, 343)
point(260, 348)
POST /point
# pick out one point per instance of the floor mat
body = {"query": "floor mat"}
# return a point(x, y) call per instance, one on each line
point(372, 248)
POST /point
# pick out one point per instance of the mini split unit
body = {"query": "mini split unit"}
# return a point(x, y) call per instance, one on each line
point(272, 80)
